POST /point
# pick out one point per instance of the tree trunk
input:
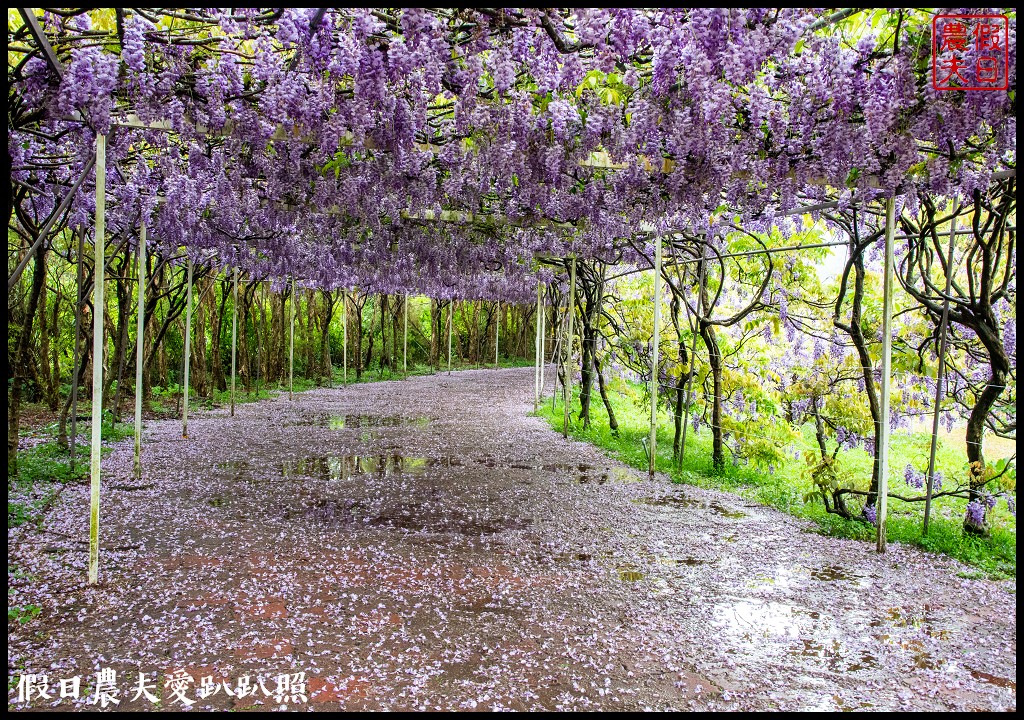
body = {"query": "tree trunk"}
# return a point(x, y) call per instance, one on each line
point(680, 388)
point(370, 338)
point(707, 332)
point(325, 335)
point(999, 370)
point(384, 358)
point(197, 364)
point(613, 424)
point(435, 332)
point(819, 428)
point(123, 293)
point(216, 361)
point(21, 361)
point(48, 326)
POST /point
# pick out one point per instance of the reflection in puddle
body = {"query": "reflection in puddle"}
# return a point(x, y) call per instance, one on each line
point(835, 654)
point(343, 467)
point(601, 477)
point(582, 473)
point(691, 561)
point(752, 618)
point(922, 620)
point(865, 661)
point(678, 501)
point(784, 577)
point(628, 573)
point(355, 422)
point(572, 559)
point(836, 702)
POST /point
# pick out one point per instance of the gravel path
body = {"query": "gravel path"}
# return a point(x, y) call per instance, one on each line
point(426, 545)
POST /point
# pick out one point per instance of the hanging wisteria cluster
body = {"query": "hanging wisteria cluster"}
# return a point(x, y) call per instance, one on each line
point(443, 151)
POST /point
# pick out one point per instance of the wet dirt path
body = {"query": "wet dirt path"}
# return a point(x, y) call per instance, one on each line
point(427, 545)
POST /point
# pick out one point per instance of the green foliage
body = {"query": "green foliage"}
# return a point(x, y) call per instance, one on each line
point(171, 390)
point(827, 475)
point(42, 470)
point(22, 614)
point(48, 462)
point(111, 431)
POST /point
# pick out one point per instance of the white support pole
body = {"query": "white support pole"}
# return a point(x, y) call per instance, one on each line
point(344, 337)
point(405, 339)
point(291, 348)
point(537, 359)
point(940, 374)
point(140, 331)
point(497, 325)
point(451, 308)
point(234, 340)
point(543, 331)
point(97, 359)
point(653, 438)
point(883, 439)
point(567, 353)
point(188, 347)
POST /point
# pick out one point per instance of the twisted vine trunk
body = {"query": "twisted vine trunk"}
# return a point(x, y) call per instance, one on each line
point(999, 365)
point(707, 333)
point(680, 389)
point(854, 329)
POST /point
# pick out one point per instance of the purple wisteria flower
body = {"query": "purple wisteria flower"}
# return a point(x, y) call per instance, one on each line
point(871, 514)
point(976, 513)
point(913, 477)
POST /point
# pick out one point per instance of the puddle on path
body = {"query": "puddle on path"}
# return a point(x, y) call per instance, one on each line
point(806, 636)
point(993, 679)
point(603, 476)
point(751, 619)
point(415, 517)
point(582, 473)
point(833, 573)
point(682, 501)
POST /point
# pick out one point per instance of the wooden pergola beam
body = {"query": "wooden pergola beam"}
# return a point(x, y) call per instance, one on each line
point(39, 36)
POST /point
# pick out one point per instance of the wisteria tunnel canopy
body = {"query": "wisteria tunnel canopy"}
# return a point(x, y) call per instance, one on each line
point(450, 152)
